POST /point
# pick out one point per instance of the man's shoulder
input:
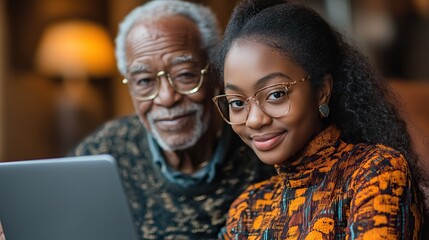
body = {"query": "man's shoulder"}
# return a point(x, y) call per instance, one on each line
point(238, 149)
point(123, 127)
point(243, 159)
point(114, 133)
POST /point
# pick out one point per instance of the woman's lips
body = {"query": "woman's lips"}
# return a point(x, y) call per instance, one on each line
point(267, 141)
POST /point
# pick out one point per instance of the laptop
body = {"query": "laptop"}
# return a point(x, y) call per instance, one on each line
point(64, 199)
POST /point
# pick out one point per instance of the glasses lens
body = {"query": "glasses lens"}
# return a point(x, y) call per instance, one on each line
point(222, 105)
point(144, 87)
point(186, 79)
point(274, 100)
point(233, 108)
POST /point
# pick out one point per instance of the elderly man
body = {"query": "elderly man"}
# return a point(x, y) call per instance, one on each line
point(181, 167)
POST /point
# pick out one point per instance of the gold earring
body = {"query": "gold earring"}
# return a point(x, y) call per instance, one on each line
point(324, 110)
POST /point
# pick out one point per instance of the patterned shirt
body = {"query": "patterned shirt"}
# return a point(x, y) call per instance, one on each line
point(164, 209)
point(331, 190)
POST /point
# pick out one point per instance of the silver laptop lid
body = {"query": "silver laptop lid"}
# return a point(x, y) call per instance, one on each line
point(64, 199)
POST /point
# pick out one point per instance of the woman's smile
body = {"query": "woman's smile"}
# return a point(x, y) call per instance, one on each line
point(267, 141)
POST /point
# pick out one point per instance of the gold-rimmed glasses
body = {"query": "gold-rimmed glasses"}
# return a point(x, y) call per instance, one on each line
point(184, 80)
point(273, 100)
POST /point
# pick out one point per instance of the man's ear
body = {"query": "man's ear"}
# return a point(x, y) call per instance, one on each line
point(325, 90)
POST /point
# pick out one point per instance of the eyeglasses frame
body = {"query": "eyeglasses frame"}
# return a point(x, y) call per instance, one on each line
point(170, 81)
point(286, 85)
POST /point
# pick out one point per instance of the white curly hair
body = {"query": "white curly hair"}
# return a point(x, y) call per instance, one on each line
point(202, 16)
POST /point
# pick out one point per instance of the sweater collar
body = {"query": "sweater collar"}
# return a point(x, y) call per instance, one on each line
point(312, 163)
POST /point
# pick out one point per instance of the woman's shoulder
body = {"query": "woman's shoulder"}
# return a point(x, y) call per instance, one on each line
point(373, 155)
point(376, 162)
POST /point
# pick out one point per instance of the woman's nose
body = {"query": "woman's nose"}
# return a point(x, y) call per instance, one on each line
point(256, 118)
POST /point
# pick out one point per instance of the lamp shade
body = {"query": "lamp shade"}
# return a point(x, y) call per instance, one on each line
point(75, 48)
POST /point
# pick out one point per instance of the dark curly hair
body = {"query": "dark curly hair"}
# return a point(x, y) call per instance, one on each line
point(361, 105)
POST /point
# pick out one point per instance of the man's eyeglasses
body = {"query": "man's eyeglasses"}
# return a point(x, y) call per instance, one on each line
point(273, 100)
point(185, 81)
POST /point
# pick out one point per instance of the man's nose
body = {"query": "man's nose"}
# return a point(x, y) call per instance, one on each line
point(167, 96)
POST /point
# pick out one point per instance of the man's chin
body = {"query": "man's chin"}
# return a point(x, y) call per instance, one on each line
point(175, 142)
point(182, 132)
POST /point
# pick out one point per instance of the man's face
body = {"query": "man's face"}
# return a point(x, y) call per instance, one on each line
point(168, 44)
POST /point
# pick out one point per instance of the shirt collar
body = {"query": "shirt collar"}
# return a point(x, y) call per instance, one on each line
point(204, 175)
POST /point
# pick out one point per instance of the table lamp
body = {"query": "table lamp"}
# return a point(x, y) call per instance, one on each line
point(76, 51)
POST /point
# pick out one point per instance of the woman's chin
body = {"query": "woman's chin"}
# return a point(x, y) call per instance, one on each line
point(268, 158)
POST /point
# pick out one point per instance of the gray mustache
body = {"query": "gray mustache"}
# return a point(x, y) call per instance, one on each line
point(174, 112)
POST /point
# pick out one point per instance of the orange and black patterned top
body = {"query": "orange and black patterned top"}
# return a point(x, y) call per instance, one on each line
point(331, 190)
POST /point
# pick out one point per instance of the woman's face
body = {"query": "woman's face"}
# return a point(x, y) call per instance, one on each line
point(250, 66)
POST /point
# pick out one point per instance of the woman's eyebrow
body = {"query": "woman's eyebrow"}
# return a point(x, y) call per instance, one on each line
point(260, 83)
point(231, 87)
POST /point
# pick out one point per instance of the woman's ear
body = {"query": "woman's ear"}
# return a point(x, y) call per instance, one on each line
point(325, 90)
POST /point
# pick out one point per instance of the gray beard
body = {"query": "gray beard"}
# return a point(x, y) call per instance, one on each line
point(198, 130)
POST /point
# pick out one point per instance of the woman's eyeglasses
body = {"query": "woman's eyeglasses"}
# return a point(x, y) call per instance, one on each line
point(273, 100)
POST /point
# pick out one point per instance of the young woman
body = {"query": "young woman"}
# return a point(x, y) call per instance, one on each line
point(311, 105)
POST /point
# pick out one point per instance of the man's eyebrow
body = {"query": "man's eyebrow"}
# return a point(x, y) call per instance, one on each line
point(183, 59)
point(138, 68)
point(141, 67)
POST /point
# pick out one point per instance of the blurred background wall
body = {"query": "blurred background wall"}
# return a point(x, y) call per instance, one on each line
point(55, 87)
point(2, 74)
